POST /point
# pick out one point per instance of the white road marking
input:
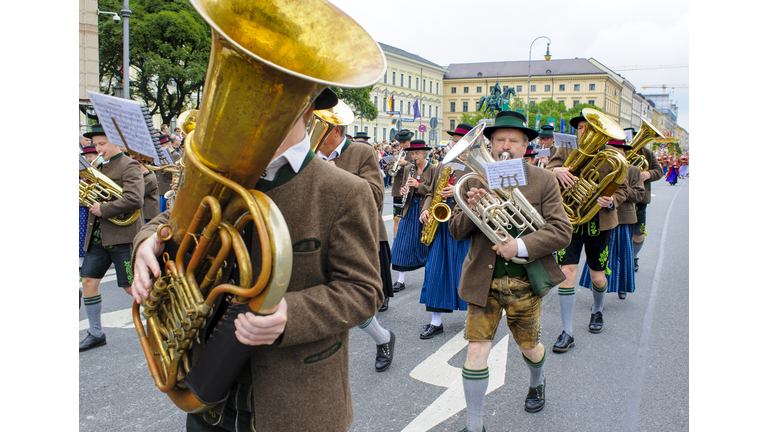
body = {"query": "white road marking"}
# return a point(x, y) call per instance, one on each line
point(117, 319)
point(387, 217)
point(109, 276)
point(435, 370)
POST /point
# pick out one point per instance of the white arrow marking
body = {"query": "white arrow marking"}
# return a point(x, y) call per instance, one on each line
point(117, 319)
point(435, 370)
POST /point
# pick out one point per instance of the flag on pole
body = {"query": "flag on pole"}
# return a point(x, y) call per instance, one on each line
point(538, 120)
point(416, 113)
point(391, 104)
point(562, 125)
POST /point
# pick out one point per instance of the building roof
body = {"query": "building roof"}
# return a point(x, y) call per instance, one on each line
point(576, 66)
point(404, 53)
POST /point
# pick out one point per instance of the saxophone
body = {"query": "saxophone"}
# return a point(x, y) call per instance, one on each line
point(95, 187)
point(439, 211)
point(269, 61)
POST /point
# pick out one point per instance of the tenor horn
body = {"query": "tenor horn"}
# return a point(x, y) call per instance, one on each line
point(269, 60)
point(645, 135)
point(499, 211)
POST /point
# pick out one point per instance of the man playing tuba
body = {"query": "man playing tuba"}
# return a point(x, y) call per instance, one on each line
point(491, 282)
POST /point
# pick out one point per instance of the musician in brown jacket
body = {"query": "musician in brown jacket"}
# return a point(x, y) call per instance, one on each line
point(151, 207)
point(403, 137)
point(594, 237)
point(491, 282)
point(105, 242)
point(358, 158)
point(298, 375)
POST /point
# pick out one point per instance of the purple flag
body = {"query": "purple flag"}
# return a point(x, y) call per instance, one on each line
point(416, 113)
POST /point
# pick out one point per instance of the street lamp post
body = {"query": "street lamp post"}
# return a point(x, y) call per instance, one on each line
point(546, 57)
point(126, 13)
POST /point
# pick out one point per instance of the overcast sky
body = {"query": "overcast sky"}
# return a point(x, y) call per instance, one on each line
point(616, 33)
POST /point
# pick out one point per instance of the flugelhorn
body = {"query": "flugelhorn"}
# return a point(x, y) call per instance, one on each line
point(324, 121)
point(580, 200)
point(269, 61)
point(95, 187)
point(500, 209)
point(645, 135)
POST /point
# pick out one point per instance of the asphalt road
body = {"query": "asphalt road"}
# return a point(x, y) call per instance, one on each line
point(634, 376)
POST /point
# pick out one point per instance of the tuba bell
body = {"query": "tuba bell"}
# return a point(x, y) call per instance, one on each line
point(580, 200)
point(323, 122)
point(269, 61)
point(645, 135)
point(501, 209)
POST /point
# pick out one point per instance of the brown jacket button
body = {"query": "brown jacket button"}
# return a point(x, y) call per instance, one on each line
point(490, 266)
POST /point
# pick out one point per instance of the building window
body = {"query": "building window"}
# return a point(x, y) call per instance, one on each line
point(401, 106)
point(430, 110)
point(591, 101)
point(575, 102)
point(384, 136)
point(533, 104)
point(533, 88)
point(576, 87)
point(562, 87)
point(366, 130)
point(417, 83)
point(385, 78)
point(402, 80)
point(375, 129)
point(547, 87)
point(384, 106)
point(437, 88)
point(409, 81)
point(480, 89)
point(453, 106)
point(519, 89)
point(355, 129)
point(423, 109)
point(430, 86)
point(376, 100)
point(423, 85)
point(409, 109)
point(453, 89)
point(592, 87)
point(393, 77)
point(453, 124)
point(466, 89)
point(465, 107)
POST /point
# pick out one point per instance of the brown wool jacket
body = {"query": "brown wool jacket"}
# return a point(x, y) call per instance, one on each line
point(656, 173)
point(332, 289)
point(543, 193)
point(164, 179)
point(626, 211)
point(359, 159)
point(608, 217)
point(457, 173)
point(151, 207)
point(126, 172)
point(425, 185)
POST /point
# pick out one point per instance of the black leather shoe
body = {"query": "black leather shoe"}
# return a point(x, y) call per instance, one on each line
point(385, 306)
point(384, 353)
point(622, 295)
point(431, 331)
point(564, 341)
point(397, 287)
point(534, 402)
point(91, 341)
point(596, 323)
point(637, 266)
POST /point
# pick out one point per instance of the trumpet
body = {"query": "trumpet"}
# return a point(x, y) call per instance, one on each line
point(393, 168)
point(502, 209)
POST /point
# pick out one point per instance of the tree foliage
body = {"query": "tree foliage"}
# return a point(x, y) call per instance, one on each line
point(359, 99)
point(471, 118)
point(552, 109)
point(169, 43)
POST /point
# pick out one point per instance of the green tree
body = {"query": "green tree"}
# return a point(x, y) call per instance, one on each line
point(359, 99)
point(471, 118)
point(170, 45)
point(547, 108)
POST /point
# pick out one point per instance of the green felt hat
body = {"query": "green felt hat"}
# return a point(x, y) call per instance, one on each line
point(513, 120)
point(96, 129)
point(404, 135)
point(361, 135)
point(547, 131)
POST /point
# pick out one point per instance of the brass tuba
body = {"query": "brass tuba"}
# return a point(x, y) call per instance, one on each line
point(95, 187)
point(323, 122)
point(439, 211)
point(645, 135)
point(501, 209)
point(580, 200)
point(269, 61)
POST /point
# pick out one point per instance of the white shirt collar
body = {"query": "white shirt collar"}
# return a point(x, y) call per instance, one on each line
point(294, 156)
point(335, 153)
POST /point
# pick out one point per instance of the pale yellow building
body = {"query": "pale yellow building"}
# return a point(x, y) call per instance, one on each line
point(89, 54)
point(572, 82)
point(409, 77)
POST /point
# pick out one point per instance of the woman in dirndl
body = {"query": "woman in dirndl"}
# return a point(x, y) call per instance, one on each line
point(672, 173)
point(408, 252)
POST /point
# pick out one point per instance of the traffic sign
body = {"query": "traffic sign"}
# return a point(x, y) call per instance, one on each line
point(422, 128)
point(433, 122)
point(399, 125)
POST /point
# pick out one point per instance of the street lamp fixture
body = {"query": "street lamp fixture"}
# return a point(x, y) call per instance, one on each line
point(118, 90)
point(547, 56)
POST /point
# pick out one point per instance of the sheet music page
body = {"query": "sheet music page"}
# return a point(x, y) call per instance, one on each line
point(565, 140)
point(129, 119)
point(505, 173)
point(540, 153)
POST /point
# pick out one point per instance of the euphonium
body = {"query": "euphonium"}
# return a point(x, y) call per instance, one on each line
point(323, 122)
point(580, 200)
point(500, 209)
point(269, 61)
point(95, 187)
point(439, 211)
point(645, 135)
point(393, 168)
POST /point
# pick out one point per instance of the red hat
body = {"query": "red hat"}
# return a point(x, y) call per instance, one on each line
point(620, 143)
point(164, 139)
point(89, 149)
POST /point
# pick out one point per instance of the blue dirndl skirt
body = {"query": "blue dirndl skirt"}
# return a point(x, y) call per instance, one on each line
point(440, 292)
point(620, 262)
point(408, 252)
point(83, 228)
